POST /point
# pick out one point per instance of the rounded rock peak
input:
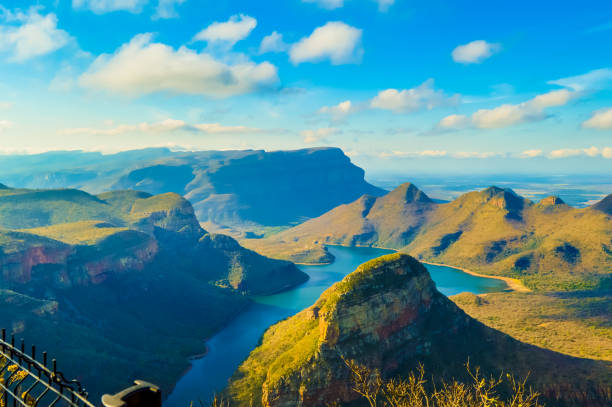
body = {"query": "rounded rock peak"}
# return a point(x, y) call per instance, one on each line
point(552, 200)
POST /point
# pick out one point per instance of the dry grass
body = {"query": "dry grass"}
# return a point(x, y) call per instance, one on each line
point(577, 324)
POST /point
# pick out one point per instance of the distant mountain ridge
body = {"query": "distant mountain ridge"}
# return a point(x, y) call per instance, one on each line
point(388, 315)
point(548, 245)
point(122, 273)
point(255, 187)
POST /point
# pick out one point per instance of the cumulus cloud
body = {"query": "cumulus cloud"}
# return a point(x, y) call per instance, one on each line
point(107, 6)
point(455, 122)
point(475, 52)
point(476, 154)
point(143, 67)
point(336, 41)
point(531, 153)
point(601, 119)
point(167, 9)
point(318, 135)
point(508, 114)
point(273, 43)
point(591, 81)
point(423, 96)
point(237, 28)
point(606, 152)
point(575, 152)
point(165, 126)
point(340, 111)
point(28, 35)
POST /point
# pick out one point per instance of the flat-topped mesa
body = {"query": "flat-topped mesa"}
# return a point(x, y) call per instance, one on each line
point(605, 205)
point(383, 314)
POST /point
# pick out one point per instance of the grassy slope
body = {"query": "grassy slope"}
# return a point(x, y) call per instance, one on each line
point(549, 245)
point(577, 324)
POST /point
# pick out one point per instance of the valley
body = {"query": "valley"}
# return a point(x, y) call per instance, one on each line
point(228, 348)
point(97, 265)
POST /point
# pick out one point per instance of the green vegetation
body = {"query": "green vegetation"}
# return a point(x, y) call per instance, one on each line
point(577, 324)
point(77, 233)
point(95, 280)
point(549, 246)
point(388, 316)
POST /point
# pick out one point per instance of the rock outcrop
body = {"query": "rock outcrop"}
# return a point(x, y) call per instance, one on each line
point(387, 315)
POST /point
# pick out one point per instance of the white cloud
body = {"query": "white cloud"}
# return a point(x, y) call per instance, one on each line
point(410, 100)
point(165, 126)
point(575, 152)
point(340, 111)
point(594, 80)
point(5, 105)
point(318, 135)
point(5, 125)
point(28, 35)
point(143, 67)
point(475, 52)
point(167, 9)
point(475, 154)
point(336, 41)
point(509, 115)
point(606, 152)
point(531, 153)
point(601, 119)
point(455, 122)
point(532, 110)
point(273, 43)
point(237, 28)
point(107, 6)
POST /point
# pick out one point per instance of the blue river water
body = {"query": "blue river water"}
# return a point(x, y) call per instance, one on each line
point(228, 348)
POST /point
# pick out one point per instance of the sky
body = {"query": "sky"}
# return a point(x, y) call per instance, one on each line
point(434, 86)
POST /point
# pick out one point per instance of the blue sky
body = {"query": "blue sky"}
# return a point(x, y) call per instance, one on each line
point(400, 85)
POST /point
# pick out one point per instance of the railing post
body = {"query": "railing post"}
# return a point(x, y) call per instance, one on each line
point(142, 394)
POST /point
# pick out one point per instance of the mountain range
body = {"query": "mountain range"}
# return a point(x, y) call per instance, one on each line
point(227, 188)
point(129, 281)
point(548, 245)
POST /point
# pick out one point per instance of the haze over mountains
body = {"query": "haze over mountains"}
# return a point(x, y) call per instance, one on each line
point(548, 245)
point(225, 187)
point(117, 284)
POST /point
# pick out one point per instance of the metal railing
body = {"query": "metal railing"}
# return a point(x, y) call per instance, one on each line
point(27, 382)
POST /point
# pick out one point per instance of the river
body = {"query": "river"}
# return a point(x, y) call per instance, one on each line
point(228, 348)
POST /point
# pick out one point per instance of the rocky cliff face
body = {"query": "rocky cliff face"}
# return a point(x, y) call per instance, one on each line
point(387, 315)
point(39, 264)
point(384, 314)
point(122, 232)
